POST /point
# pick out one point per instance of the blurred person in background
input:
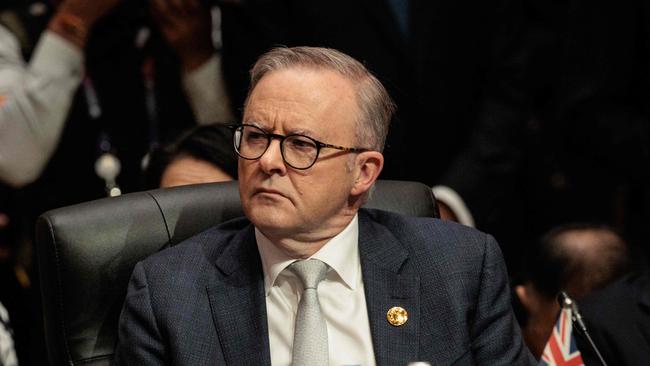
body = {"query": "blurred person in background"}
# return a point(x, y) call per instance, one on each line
point(575, 258)
point(201, 155)
point(587, 141)
point(41, 67)
point(87, 88)
point(42, 70)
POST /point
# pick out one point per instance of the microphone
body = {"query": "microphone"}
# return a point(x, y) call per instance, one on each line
point(576, 318)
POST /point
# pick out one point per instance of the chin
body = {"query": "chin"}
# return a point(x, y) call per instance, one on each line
point(271, 225)
point(268, 215)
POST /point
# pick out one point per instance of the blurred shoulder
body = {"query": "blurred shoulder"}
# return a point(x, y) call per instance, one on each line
point(618, 298)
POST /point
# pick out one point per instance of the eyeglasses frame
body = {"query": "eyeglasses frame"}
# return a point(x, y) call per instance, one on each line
point(270, 136)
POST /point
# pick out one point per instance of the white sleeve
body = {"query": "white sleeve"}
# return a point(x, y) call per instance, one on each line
point(455, 203)
point(7, 351)
point(35, 99)
point(206, 93)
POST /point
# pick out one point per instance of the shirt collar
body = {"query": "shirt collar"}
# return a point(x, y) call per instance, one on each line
point(341, 253)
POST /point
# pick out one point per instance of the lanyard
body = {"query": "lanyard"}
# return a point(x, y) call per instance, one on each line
point(107, 165)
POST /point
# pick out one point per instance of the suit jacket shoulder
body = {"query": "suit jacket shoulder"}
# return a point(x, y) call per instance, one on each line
point(199, 302)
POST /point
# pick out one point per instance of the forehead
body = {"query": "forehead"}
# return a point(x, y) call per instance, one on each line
point(302, 98)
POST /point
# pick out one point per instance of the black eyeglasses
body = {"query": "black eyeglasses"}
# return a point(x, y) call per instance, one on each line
point(298, 151)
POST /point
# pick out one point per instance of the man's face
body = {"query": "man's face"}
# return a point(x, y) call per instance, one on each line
point(284, 202)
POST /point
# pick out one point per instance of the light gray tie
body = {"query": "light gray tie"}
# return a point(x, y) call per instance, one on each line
point(310, 335)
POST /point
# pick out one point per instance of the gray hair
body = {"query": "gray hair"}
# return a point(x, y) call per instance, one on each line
point(373, 100)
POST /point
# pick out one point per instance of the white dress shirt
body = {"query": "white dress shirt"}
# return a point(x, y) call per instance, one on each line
point(341, 295)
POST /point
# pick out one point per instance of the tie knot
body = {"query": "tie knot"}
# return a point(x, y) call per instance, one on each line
point(310, 272)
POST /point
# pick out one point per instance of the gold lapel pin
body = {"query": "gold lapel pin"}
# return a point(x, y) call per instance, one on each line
point(397, 316)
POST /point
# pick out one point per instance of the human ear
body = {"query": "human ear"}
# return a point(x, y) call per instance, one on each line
point(367, 167)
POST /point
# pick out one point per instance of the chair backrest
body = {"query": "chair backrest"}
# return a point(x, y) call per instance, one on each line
point(86, 253)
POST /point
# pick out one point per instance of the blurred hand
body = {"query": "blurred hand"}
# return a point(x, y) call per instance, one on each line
point(74, 18)
point(88, 11)
point(187, 27)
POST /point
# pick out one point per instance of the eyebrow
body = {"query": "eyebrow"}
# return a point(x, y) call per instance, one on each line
point(303, 132)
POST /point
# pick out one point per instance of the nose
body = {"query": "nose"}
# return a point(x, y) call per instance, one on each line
point(271, 161)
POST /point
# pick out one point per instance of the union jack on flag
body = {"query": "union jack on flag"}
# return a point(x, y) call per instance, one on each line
point(561, 349)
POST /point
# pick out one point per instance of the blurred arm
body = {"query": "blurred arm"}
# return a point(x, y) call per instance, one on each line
point(188, 27)
point(35, 97)
point(206, 92)
point(34, 101)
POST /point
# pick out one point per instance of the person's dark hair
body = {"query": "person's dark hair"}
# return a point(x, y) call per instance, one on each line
point(562, 262)
point(212, 143)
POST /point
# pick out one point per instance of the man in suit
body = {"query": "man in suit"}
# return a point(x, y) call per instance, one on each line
point(308, 277)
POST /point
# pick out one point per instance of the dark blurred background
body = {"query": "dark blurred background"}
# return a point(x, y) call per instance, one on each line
point(535, 113)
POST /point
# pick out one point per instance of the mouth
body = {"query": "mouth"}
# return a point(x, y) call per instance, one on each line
point(268, 192)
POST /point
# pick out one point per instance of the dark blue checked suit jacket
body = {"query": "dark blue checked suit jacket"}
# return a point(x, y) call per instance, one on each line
point(202, 301)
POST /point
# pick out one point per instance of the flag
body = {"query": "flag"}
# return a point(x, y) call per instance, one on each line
point(561, 348)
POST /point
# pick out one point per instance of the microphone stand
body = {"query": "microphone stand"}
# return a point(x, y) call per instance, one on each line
point(576, 318)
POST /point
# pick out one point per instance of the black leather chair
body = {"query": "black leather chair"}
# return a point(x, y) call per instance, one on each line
point(86, 253)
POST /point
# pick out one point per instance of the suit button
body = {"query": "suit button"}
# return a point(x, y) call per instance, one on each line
point(397, 316)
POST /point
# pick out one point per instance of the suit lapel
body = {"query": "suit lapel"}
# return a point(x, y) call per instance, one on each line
point(387, 285)
point(238, 304)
